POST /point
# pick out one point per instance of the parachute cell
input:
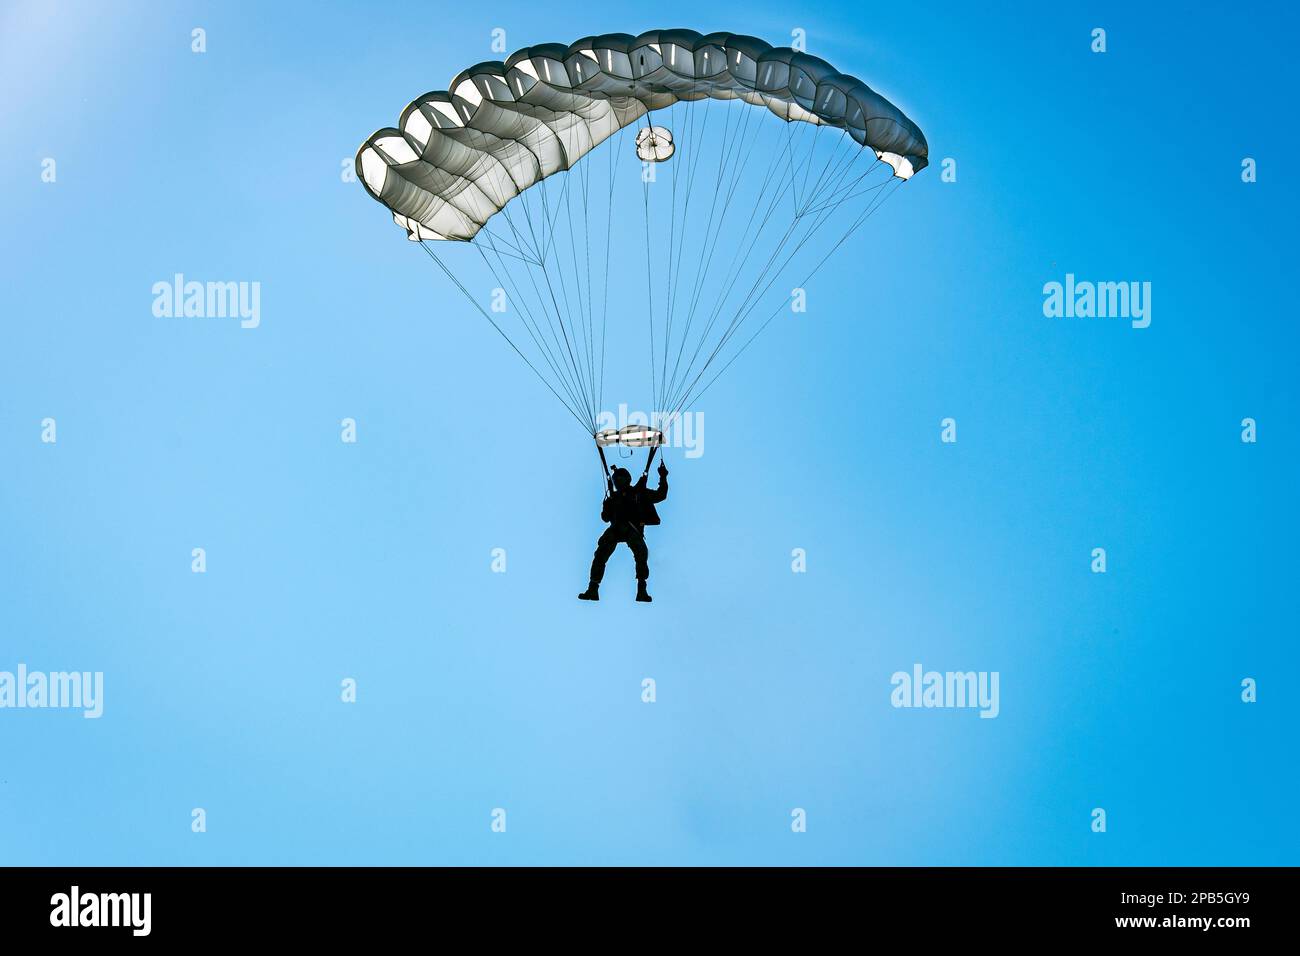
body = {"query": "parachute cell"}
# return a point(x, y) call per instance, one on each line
point(458, 157)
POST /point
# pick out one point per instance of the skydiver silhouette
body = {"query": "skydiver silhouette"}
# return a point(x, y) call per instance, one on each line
point(628, 508)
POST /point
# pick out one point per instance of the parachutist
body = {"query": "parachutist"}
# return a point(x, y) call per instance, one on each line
point(628, 508)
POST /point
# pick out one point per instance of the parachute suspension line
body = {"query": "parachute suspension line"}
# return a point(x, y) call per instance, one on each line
point(544, 194)
point(526, 200)
point(801, 164)
point(781, 306)
point(693, 162)
point(790, 230)
point(668, 273)
point(747, 298)
point(731, 155)
point(743, 250)
point(882, 196)
point(554, 314)
point(655, 400)
point(516, 252)
point(528, 232)
point(655, 385)
point(734, 157)
point(798, 166)
point(755, 292)
point(560, 313)
point(811, 190)
point(528, 320)
point(567, 315)
point(576, 289)
point(489, 239)
point(790, 164)
point(649, 283)
point(466, 293)
point(521, 240)
point(492, 241)
point(570, 384)
point(554, 302)
point(735, 147)
point(585, 296)
point(575, 315)
point(649, 270)
point(646, 115)
point(597, 395)
point(752, 298)
point(609, 225)
point(565, 297)
point(586, 244)
point(584, 344)
point(837, 174)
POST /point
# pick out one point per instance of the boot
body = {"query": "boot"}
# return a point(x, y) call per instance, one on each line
point(641, 593)
point(592, 593)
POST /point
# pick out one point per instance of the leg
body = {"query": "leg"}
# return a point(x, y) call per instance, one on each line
point(604, 548)
point(641, 554)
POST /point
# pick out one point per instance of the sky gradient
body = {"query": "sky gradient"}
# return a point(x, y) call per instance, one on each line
point(480, 690)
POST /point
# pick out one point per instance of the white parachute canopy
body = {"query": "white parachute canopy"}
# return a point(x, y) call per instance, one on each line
point(778, 158)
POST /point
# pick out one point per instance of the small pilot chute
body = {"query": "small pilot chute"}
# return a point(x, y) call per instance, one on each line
point(654, 144)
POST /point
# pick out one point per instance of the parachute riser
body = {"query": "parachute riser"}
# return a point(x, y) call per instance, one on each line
point(604, 470)
point(608, 472)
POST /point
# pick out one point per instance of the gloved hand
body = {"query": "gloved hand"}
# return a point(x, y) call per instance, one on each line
point(663, 470)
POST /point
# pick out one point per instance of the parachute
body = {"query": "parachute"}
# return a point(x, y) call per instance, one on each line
point(545, 178)
point(654, 144)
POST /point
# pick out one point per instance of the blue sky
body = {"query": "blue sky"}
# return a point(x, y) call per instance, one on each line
point(480, 690)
